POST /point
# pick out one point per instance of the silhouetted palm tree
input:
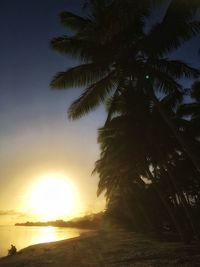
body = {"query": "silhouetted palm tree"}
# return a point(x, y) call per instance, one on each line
point(133, 147)
point(113, 51)
point(124, 63)
point(130, 144)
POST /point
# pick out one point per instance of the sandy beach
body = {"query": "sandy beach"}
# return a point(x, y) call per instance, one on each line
point(106, 249)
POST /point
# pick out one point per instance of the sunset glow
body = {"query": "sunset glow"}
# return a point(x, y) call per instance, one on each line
point(53, 197)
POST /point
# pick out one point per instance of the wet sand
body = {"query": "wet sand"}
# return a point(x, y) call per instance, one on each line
point(106, 249)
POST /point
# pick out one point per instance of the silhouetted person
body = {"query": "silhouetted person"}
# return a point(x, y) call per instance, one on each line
point(12, 250)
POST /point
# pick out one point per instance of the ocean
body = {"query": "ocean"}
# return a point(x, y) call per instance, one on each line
point(23, 236)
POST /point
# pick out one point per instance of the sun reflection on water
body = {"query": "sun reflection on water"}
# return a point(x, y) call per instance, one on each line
point(48, 234)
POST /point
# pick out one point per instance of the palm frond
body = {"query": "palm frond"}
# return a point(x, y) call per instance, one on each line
point(78, 48)
point(82, 75)
point(175, 68)
point(172, 100)
point(160, 43)
point(96, 7)
point(188, 109)
point(130, 14)
point(92, 96)
point(74, 22)
point(114, 103)
point(180, 25)
point(164, 83)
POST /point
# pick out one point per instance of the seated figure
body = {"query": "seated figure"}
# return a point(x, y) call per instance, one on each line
point(12, 250)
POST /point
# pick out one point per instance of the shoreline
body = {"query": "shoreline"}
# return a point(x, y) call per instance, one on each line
point(82, 233)
point(109, 249)
point(24, 236)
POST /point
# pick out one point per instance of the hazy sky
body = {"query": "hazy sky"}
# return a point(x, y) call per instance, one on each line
point(36, 137)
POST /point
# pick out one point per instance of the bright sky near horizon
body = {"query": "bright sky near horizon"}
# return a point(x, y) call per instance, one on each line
point(36, 138)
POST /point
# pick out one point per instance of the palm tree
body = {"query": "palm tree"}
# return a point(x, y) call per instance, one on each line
point(132, 147)
point(114, 52)
point(128, 151)
point(121, 58)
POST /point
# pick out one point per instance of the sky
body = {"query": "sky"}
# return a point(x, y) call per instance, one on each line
point(36, 137)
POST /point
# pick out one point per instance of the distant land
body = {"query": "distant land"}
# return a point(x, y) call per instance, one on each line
point(92, 221)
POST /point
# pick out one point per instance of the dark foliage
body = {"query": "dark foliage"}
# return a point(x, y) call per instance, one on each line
point(149, 167)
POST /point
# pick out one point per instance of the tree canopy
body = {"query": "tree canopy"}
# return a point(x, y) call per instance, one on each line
point(150, 141)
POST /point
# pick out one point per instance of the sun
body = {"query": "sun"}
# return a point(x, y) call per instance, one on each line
point(54, 197)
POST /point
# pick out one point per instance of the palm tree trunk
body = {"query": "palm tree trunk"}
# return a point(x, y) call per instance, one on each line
point(143, 212)
point(168, 208)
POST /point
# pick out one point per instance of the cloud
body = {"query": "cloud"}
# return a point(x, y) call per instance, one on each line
point(9, 213)
point(11, 217)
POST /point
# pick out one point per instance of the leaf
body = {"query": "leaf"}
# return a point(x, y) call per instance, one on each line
point(78, 48)
point(178, 25)
point(188, 109)
point(164, 83)
point(92, 96)
point(73, 21)
point(82, 75)
point(175, 68)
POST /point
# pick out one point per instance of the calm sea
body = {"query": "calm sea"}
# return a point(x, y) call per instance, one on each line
point(23, 236)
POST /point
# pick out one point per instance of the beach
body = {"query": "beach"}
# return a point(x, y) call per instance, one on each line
point(106, 249)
